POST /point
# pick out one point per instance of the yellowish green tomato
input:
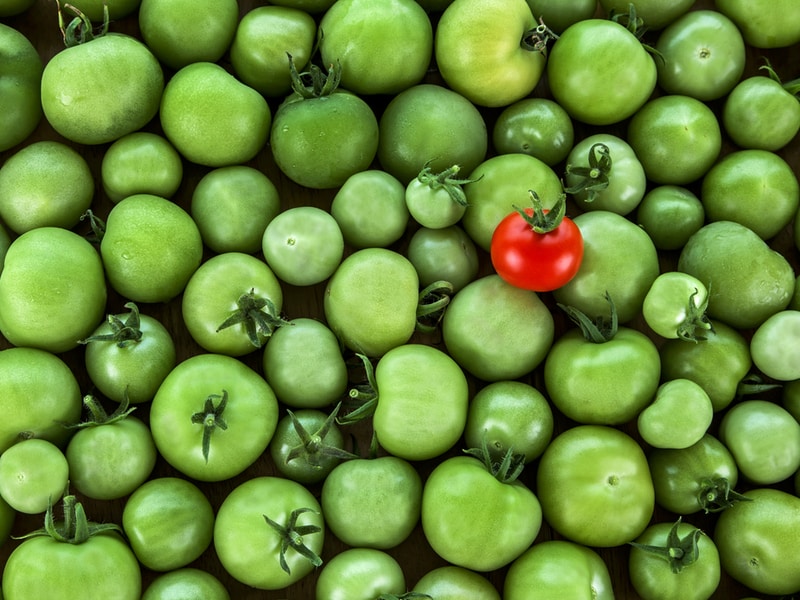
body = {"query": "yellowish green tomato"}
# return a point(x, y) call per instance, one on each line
point(33, 473)
point(775, 346)
point(679, 416)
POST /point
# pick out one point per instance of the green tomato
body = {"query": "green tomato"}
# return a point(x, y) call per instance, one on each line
point(599, 72)
point(186, 583)
point(446, 254)
point(764, 438)
point(33, 474)
point(370, 208)
point(372, 502)
point(595, 487)
point(213, 417)
point(755, 188)
point(430, 123)
point(678, 417)
point(11, 8)
point(360, 574)
point(150, 248)
point(232, 207)
point(670, 214)
point(776, 27)
point(45, 184)
point(303, 245)
point(109, 459)
point(370, 301)
point(21, 76)
point(751, 282)
point(100, 90)
point(774, 347)
point(52, 290)
point(620, 183)
point(475, 519)
point(510, 415)
point(264, 554)
point(676, 137)
point(384, 46)
point(304, 365)
point(772, 126)
point(141, 163)
point(675, 305)
point(436, 200)
point(129, 355)
point(536, 126)
point(560, 14)
point(718, 363)
point(455, 583)
point(609, 240)
point(703, 55)
point(552, 568)
point(756, 541)
point(674, 561)
point(486, 318)
point(38, 392)
point(180, 33)
point(263, 37)
point(481, 51)
point(500, 182)
point(602, 383)
point(699, 477)
point(212, 118)
point(169, 523)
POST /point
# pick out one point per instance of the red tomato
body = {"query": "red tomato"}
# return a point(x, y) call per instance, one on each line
point(536, 249)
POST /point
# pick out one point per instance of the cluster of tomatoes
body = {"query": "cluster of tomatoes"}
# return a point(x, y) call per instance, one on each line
point(384, 299)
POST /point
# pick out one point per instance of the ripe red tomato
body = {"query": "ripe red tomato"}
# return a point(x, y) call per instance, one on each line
point(536, 249)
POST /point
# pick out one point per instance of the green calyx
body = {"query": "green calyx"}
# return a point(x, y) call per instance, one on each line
point(79, 30)
point(537, 39)
point(446, 180)
point(716, 495)
point(599, 331)
point(97, 225)
point(123, 333)
point(75, 527)
point(312, 448)
point(433, 300)
point(696, 322)
point(592, 179)
point(505, 470)
point(541, 219)
point(793, 86)
point(678, 551)
point(636, 25)
point(98, 415)
point(258, 315)
point(363, 396)
point(314, 83)
point(292, 537)
point(211, 419)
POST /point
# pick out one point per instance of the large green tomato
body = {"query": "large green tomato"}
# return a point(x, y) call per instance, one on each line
point(212, 118)
point(486, 318)
point(774, 346)
point(45, 184)
point(150, 248)
point(20, 87)
point(52, 290)
point(213, 417)
point(764, 23)
point(33, 474)
point(756, 541)
point(558, 568)
point(38, 392)
point(102, 89)
point(371, 300)
point(768, 129)
point(259, 528)
point(600, 72)
point(141, 162)
point(360, 574)
point(609, 242)
point(679, 415)
point(422, 399)
point(372, 502)
point(477, 518)
point(482, 52)
point(595, 486)
point(384, 46)
point(747, 280)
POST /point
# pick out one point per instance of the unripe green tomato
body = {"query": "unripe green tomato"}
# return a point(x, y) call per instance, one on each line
point(670, 214)
point(33, 473)
point(678, 417)
point(141, 162)
point(536, 126)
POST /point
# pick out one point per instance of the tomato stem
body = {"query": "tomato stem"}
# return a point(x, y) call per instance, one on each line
point(793, 86)
point(678, 551)
point(696, 320)
point(123, 333)
point(258, 315)
point(292, 537)
point(433, 300)
point(593, 179)
point(319, 84)
point(313, 449)
point(364, 396)
point(716, 495)
point(598, 331)
point(537, 39)
point(507, 469)
point(541, 219)
point(80, 29)
point(447, 181)
point(211, 419)
point(99, 416)
point(75, 528)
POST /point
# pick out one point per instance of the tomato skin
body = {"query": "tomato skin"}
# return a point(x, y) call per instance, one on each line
point(764, 23)
point(535, 126)
point(540, 262)
point(595, 486)
point(472, 519)
point(186, 582)
point(456, 583)
point(670, 214)
point(360, 574)
point(678, 417)
point(33, 473)
point(756, 541)
point(558, 568)
point(21, 76)
point(673, 306)
point(447, 254)
point(774, 345)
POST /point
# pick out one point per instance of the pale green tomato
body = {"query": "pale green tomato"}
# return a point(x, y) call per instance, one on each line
point(33, 473)
point(679, 416)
